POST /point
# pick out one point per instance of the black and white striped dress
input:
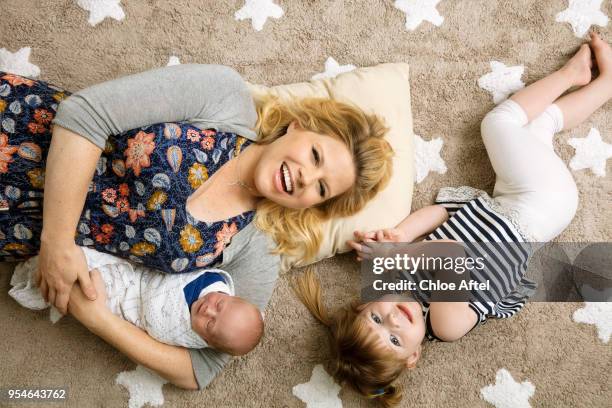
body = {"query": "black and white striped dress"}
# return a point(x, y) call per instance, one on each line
point(476, 217)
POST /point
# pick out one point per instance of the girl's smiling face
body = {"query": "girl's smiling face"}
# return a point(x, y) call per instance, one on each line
point(399, 326)
point(302, 169)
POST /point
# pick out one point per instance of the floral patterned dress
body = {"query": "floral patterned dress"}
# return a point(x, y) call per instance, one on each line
point(135, 206)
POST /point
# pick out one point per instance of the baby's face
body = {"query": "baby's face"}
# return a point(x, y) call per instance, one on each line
point(209, 313)
point(225, 322)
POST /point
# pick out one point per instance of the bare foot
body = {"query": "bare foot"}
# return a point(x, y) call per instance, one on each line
point(603, 55)
point(579, 66)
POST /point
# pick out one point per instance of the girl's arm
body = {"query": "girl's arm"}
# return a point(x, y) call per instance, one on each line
point(422, 222)
point(450, 321)
point(170, 362)
point(416, 224)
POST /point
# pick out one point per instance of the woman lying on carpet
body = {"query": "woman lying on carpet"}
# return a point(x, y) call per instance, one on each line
point(194, 310)
point(173, 195)
point(534, 200)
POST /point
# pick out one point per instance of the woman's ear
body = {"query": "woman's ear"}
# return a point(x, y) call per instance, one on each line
point(413, 358)
point(294, 125)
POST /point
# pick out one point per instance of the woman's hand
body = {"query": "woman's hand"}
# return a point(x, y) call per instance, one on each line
point(359, 244)
point(60, 265)
point(84, 310)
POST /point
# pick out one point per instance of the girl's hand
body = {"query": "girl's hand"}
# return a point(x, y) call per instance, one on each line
point(83, 309)
point(382, 235)
point(391, 235)
point(362, 240)
point(60, 265)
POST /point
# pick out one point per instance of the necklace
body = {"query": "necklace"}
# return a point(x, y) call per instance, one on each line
point(238, 181)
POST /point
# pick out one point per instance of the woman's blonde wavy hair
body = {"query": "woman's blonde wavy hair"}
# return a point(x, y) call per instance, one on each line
point(297, 232)
point(358, 357)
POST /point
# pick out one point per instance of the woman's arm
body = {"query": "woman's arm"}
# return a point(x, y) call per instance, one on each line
point(170, 362)
point(207, 96)
point(70, 165)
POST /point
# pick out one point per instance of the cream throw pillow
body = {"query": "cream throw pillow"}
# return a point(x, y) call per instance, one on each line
point(385, 91)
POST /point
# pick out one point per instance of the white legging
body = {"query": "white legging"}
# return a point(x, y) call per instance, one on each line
point(531, 179)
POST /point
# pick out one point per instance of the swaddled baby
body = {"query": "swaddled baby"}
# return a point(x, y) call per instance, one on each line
point(194, 310)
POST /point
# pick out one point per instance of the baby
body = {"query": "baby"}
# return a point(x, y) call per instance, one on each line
point(193, 310)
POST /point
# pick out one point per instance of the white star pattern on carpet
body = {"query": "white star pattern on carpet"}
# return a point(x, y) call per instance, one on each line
point(259, 11)
point(144, 387)
point(507, 393)
point(17, 62)
point(591, 153)
point(427, 157)
point(173, 60)
point(599, 314)
point(320, 392)
point(418, 11)
point(582, 14)
point(101, 9)
point(502, 80)
point(332, 69)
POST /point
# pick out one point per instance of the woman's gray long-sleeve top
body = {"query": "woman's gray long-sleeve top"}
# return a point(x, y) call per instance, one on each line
point(206, 96)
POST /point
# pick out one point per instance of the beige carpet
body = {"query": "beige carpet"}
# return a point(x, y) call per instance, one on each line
point(566, 362)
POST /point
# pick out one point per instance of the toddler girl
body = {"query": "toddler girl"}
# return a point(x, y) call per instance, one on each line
point(534, 200)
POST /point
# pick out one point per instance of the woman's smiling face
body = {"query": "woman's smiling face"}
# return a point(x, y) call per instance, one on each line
point(399, 326)
point(302, 169)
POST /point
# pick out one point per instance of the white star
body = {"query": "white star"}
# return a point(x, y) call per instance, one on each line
point(17, 63)
point(320, 392)
point(332, 69)
point(173, 60)
point(427, 157)
point(591, 153)
point(418, 11)
point(502, 81)
point(259, 11)
point(582, 14)
point(101, 9)
point(144, 387)
point(599, 314)
point(507, 393)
